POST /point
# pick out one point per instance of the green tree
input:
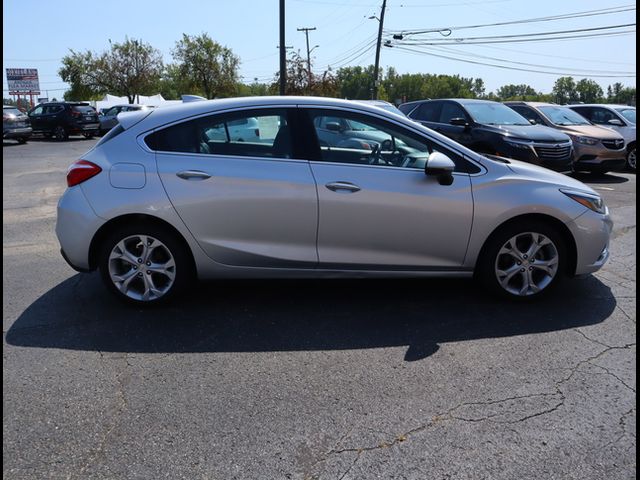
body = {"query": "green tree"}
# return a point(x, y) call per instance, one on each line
point(128, 68)
point(618, 93)
point(589, 91)
point(297, 81)
point(517, 92)
point(356, 83)
point(206, 67)
point(564, 90)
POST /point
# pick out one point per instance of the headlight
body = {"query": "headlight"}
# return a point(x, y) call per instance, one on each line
point(592, 202)
point(586, 140)
point(515, 144)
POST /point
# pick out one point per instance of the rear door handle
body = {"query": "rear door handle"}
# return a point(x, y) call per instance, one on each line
point(344, 187)
point(193, 175)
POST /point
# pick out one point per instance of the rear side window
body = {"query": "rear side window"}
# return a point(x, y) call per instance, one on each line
point(427, 112)
point(253, 133)
point(83, 109)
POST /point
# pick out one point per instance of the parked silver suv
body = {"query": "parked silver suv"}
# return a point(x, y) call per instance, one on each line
point(157, 202)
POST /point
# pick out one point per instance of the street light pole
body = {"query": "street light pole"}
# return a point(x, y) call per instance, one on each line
point(378, 45)
point(283, 52)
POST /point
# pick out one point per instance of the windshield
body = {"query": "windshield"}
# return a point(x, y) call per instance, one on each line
point(495, 114)
point(563, 116)
point(628, 113)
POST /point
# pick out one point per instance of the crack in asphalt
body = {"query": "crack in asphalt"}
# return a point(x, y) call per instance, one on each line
point(558, 394)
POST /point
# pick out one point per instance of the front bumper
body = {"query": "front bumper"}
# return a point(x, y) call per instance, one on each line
point(591, 232)
point(598, 157)
point(24, 132)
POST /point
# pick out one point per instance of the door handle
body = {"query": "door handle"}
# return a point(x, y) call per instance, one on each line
point(193, 175)
point(343, 187)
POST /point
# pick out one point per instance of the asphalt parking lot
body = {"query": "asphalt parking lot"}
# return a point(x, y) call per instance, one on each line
point(411, 379)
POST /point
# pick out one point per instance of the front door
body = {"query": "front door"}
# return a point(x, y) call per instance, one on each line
point(378, 209)
point(247, 203)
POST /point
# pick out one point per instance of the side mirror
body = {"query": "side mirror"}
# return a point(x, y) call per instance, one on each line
point(333, 126)
point(461, 122)
point(441, 167)
point(532, 121)
point(616, 122)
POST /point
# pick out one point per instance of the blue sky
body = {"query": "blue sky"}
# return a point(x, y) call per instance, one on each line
point(37, 34)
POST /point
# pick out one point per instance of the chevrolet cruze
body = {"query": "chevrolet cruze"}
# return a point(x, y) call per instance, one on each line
point(161, 201)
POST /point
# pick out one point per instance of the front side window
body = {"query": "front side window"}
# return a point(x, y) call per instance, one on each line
point(376, 142)
point(37, 111)
point(602, 116)
point(450, 111)
point(255, 133)
point(528, 113)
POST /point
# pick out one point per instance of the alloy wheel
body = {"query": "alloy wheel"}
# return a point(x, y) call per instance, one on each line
point(526, 264)
point(142, 268)
point(631, 159)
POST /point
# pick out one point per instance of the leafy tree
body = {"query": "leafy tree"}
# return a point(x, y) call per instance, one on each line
point(356, 83)
point(618, 93)
point(206, 67)
point(128, 68)
point(517, 92)
point(564, 90)
point(589, 91)
point(478, 88)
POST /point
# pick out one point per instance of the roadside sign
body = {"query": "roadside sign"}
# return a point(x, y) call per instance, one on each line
point(23, 81)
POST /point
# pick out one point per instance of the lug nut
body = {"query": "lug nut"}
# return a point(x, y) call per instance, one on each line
point(522, 269)
point(148, 264)
point(148, 272)
point(135, 267)
point(139, 274)
point(519, 263)
point(139, 260)
point(530, 268)
point(524, 256)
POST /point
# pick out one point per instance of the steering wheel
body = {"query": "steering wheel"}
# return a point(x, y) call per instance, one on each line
point(374, 158)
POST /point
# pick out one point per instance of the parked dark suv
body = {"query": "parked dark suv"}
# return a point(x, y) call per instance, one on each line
point(15, 124)
point(61, 119)
point(493, 128)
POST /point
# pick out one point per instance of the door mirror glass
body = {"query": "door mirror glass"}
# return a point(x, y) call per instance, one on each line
point(461, 122)
point(440, 166)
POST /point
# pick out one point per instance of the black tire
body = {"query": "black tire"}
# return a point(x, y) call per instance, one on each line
point(631, 159)
point(88, 135)
point(22, 140)
point(184, 270)
point(487, 263)
point(60, 133)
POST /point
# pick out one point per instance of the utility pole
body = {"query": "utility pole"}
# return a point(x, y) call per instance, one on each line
point(283, 52)
point(378, 45)
point(306, 32)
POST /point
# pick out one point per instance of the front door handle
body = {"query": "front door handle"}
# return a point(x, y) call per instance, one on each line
point(193, 175)
point(344, 187)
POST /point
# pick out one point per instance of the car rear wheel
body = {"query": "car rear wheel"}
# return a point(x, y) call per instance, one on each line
point(60, 133)
point(22, 140)
point(144, 265)
point(88, 135)
point(631, 158)
point(523, 260)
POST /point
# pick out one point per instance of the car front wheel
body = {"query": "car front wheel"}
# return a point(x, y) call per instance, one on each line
point(60, 133)
point(631, 158)
point(523, 260)
point(144, 265)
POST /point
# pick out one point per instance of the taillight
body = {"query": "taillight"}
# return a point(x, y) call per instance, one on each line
point(76, 114)
point(81, 171)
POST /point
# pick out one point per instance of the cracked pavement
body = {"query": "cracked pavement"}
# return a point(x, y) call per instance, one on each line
point(402, 379)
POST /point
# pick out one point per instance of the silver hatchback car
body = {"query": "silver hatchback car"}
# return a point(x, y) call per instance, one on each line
point(159, 201)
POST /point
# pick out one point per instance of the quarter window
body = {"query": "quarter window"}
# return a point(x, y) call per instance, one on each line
point(255, 133)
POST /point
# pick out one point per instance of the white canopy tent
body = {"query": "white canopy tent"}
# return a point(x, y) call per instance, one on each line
point(151, 100)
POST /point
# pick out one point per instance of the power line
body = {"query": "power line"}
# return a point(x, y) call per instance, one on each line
point(504, 67)
point(536, 54)
point(587, 13)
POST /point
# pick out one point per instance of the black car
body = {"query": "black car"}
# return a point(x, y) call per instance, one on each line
point(15, 124)
point(493, 128)
point(61, 119)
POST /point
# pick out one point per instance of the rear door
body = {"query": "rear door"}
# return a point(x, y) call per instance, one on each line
point(247, 203)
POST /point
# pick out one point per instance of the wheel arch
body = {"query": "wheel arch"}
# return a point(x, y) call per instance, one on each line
point(631, 145)
point(128, 219)
point(570, 243)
